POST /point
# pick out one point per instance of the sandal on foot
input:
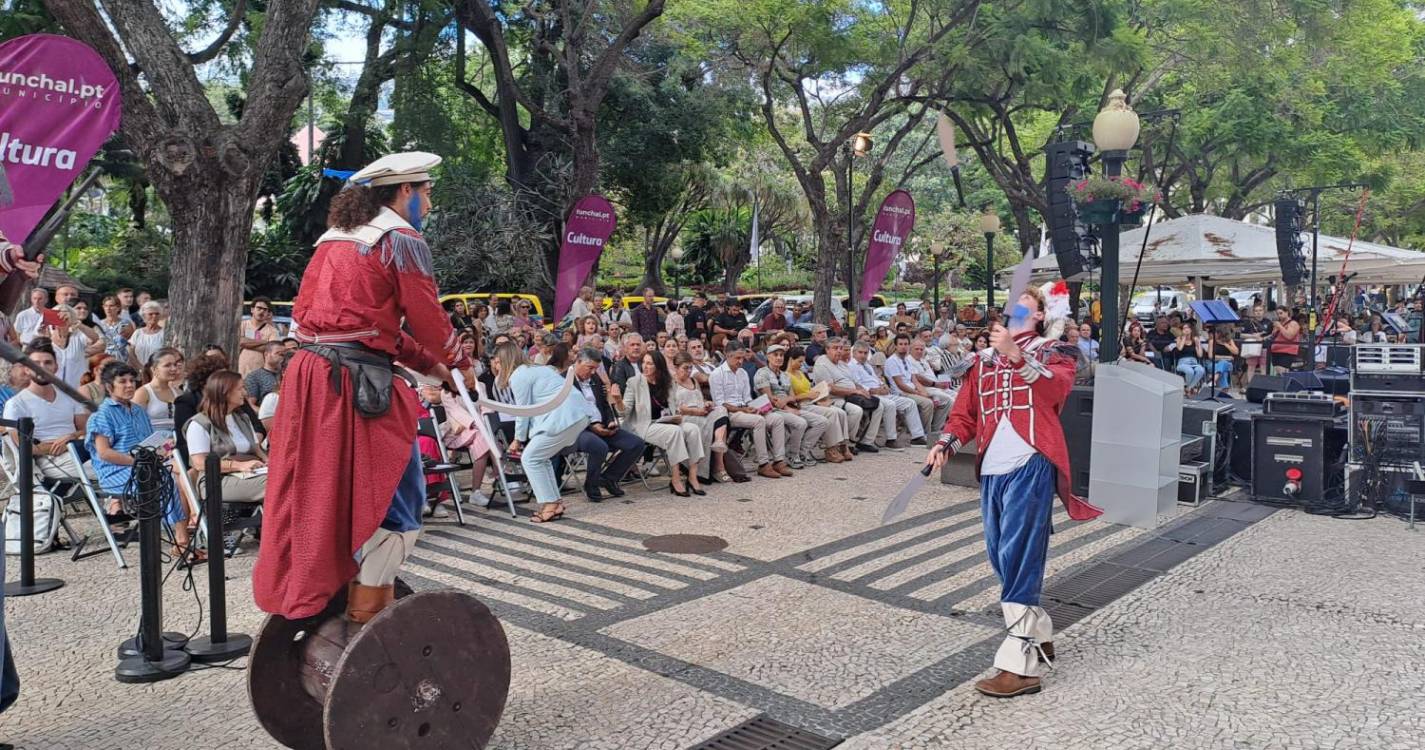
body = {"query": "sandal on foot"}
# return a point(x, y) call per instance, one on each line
point(547, 514)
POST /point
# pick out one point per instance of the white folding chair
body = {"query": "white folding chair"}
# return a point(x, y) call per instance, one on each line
point(97, 498)
point(10, 453)
point(575, 462)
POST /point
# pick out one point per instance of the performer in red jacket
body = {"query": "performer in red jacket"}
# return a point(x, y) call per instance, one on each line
point(1010, 404)
point(345, 481)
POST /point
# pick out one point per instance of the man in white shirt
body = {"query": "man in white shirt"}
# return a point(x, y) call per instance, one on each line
point(58, 419)
point(73, 345)
point(925, 377)
point(863, 410)
point(29, 320)
point(866, 378)
point(901, 378)
point(733, 391)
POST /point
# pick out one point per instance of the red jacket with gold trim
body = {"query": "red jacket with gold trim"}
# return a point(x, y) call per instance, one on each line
point(1032, 393)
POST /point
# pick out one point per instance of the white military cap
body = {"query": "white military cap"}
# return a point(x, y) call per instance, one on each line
point(394, 169)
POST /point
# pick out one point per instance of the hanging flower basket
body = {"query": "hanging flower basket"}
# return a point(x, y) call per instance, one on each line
point(1100, 211)
point(1104, 200)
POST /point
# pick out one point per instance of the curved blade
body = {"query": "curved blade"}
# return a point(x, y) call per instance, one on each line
point(901, 501)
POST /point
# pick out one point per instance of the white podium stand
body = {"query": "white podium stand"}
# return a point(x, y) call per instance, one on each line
point(1137, 434)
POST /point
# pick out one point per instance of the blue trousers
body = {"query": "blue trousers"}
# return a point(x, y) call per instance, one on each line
point(1223, 369)
point(1191, 370)
point(628, 446)
point(1018, 508)
point(410, 499)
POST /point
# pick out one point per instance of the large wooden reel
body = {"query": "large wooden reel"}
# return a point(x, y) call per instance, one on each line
point(432, 670)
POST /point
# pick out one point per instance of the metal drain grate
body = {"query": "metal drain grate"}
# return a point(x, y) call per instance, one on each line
point(763, 733)
point(1098, 585)
point(1161, 555)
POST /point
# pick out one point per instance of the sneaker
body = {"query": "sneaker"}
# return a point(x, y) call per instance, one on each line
point(479, 499)
point(867, 448)
point(796, 462)
point(917, 441)
point(439, 511)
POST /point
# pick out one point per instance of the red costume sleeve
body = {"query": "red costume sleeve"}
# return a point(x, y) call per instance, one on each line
point(427, 338)
point(1053, 382)
point(964, 419)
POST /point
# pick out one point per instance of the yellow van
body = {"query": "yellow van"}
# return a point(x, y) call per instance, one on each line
point(470, 298)
point(632, 301)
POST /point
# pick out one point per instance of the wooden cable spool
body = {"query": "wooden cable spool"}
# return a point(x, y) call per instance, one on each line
point(432, 670)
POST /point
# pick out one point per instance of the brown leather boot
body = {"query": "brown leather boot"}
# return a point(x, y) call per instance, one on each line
point(1007, 685)
point(766, 470)
point(845, 452)
point(833, 456)
point(782, 468)
point(365, 602)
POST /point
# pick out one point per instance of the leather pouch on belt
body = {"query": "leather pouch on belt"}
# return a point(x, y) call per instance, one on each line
point(371, 385)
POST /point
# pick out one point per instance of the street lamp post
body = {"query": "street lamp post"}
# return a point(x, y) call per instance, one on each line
point(989, 224)
point(937, 249)
point(677, 255)
point(1115, 130)
point(859, 145)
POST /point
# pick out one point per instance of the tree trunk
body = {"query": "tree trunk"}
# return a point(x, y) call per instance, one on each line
point(217, 221)
point(655, 251)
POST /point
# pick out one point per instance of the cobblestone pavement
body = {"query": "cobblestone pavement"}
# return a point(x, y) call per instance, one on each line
point(1249, 629)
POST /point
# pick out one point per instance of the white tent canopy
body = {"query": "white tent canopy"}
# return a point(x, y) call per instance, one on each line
point(1226, 252)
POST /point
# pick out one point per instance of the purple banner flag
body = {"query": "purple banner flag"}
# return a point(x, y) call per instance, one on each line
point(59, 102)
point(888, 236)
point(590, 224)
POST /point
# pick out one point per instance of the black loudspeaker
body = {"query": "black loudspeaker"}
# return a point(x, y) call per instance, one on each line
point(1290, 217)
point(1077, 420)
point(1261, 385)
point(1297, 460)
point(1072, 241)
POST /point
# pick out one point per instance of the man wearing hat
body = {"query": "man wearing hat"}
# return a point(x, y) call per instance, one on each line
point(1009, 404)
point(345, 481)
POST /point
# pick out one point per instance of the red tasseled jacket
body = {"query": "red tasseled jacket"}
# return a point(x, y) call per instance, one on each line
point(333, 471)
point(1041, 383)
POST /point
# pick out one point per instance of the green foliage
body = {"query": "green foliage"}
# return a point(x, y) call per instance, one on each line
point(134, 257)
point(481, 238)
point(21, 17)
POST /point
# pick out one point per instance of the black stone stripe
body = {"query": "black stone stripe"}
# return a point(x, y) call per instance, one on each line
point(879, 552)
point(899, 565)
point(454, 572)
point(677, 578)
point(687, 561)
point(651, 588)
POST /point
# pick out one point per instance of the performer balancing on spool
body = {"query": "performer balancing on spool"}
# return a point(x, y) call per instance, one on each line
point(345, 481)
point(1010, 404)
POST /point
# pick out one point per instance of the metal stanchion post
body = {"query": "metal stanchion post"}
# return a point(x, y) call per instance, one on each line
point(219, 644)
point(154, 660)
point(28, 584)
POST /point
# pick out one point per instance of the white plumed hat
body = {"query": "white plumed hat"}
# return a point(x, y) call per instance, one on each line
point(1056, 308)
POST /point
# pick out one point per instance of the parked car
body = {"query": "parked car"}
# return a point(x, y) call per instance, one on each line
point(470, 298)
point(755, 316)
point(1160, 301)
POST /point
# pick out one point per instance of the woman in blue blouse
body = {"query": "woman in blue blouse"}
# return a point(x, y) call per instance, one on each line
point(115, 429)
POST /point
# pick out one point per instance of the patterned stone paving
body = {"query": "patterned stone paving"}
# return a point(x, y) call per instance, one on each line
point(1297, 631)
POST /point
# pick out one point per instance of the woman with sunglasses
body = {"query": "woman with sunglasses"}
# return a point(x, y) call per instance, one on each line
point(161, 377)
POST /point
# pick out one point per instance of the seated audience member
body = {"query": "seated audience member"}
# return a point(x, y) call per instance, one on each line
point(732, 390)
point(804, 429)
point(186, 405)
point(1135, 345)
point(925, 376)
point(58, 418)
point(222, 427)
point(647, 409)
point(775, 320)
point(538, 439)
point(837, 449)
point(867, 378)
point(267, 409)
point(901, 379)
point(117, 428)
point(863, 410)
point(262, 380)
point(602, 437)
point(1087, 344)
point(162, 378)
point(670, 350)
point(1223, 350)
point(694, 407)
point(91, 385)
